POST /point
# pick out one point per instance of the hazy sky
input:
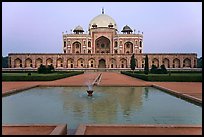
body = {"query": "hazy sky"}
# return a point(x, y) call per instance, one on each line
point(36, 27)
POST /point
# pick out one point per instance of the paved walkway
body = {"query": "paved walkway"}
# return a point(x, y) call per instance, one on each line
point(117, 79)
point(78, 80)
point(114, 79)
point(110, 79)
point(190, 88)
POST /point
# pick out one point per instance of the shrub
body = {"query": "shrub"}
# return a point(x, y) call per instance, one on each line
point(163, 69)
point(44, 70)
point(154, 69)
point(29, 73)
point(41, 78)
point(165, 78)
point(50, 68)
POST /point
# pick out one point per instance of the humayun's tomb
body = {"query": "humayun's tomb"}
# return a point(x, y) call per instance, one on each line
point(102, 47)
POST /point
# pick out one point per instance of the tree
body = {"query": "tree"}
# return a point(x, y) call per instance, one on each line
point(199, 62)
point(5, 62)
point(50, 68)
point(132, 62)
point(146, 67)
point(163, 69)
point(43, 69)
point(154, 70)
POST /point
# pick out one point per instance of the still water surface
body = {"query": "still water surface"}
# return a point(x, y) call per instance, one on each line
point(108, 105)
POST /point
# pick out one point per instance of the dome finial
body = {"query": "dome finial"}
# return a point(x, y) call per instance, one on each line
point(102, 10)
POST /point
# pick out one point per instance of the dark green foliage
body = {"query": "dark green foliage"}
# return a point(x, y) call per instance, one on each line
point(163, 69)
point(42, 69)
point(132, 62)
point(199, 62)
point(41, 78)
point(19, 71)
point(45, 70)
point(29, 73)
point(136, 75)
point(154, 70)
point(172, 71)
point(166, 78)
point(146, 67)
point(50, 68)
point(5, 62)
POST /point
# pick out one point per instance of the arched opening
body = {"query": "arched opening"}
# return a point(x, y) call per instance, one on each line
point(80, 63)
point(123, 63)
point(91, 63)
point(143, 62)
point(38, 62)
point(64, 43)
point(89, 44)
point(166, 63)
point(49, 61)
point(76, 47)
point(155, 62)
point(28, 62)
point(113, 63)
point(140, 43)
point(102, 44)
point(187, 63)
point(136, 63)
point(59, 62)
point(70, 63)
point(116, 44)
point(128, 47)
point(102, 63)
point(176, 63)
point(17, 63)
point(89, 51)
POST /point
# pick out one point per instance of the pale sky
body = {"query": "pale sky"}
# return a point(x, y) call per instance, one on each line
point(36, 27)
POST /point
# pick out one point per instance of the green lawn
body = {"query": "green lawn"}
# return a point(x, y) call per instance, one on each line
point(32, 74)
point(173, 77)
point(176, 74)
point(38, 77)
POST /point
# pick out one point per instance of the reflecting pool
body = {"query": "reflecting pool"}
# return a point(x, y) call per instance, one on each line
point(108, 105)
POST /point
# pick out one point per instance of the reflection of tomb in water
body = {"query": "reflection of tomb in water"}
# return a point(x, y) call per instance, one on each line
point(118, 105)
point(106, 103)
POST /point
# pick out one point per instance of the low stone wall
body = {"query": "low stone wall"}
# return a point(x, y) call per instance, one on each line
point(131, 129)
point(34, 129)
point(98, 69)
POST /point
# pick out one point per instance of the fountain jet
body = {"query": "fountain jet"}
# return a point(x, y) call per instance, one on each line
point(90, 90)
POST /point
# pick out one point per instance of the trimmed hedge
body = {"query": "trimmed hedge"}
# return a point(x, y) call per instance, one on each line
point(165, 78)
point(172, 71)
point(41, 78)
point(18, 71)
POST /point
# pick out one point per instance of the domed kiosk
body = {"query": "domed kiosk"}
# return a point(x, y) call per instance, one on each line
point(127, 29)
point(78, 30)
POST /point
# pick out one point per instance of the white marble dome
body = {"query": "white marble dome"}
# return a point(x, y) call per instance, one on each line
point(102, 20)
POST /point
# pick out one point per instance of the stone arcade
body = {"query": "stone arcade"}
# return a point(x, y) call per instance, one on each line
point(102, 47)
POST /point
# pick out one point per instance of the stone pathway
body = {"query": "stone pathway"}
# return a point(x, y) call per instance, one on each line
point(109, 79)
point(78, 80)
point(113, 79)
point(117, 79)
